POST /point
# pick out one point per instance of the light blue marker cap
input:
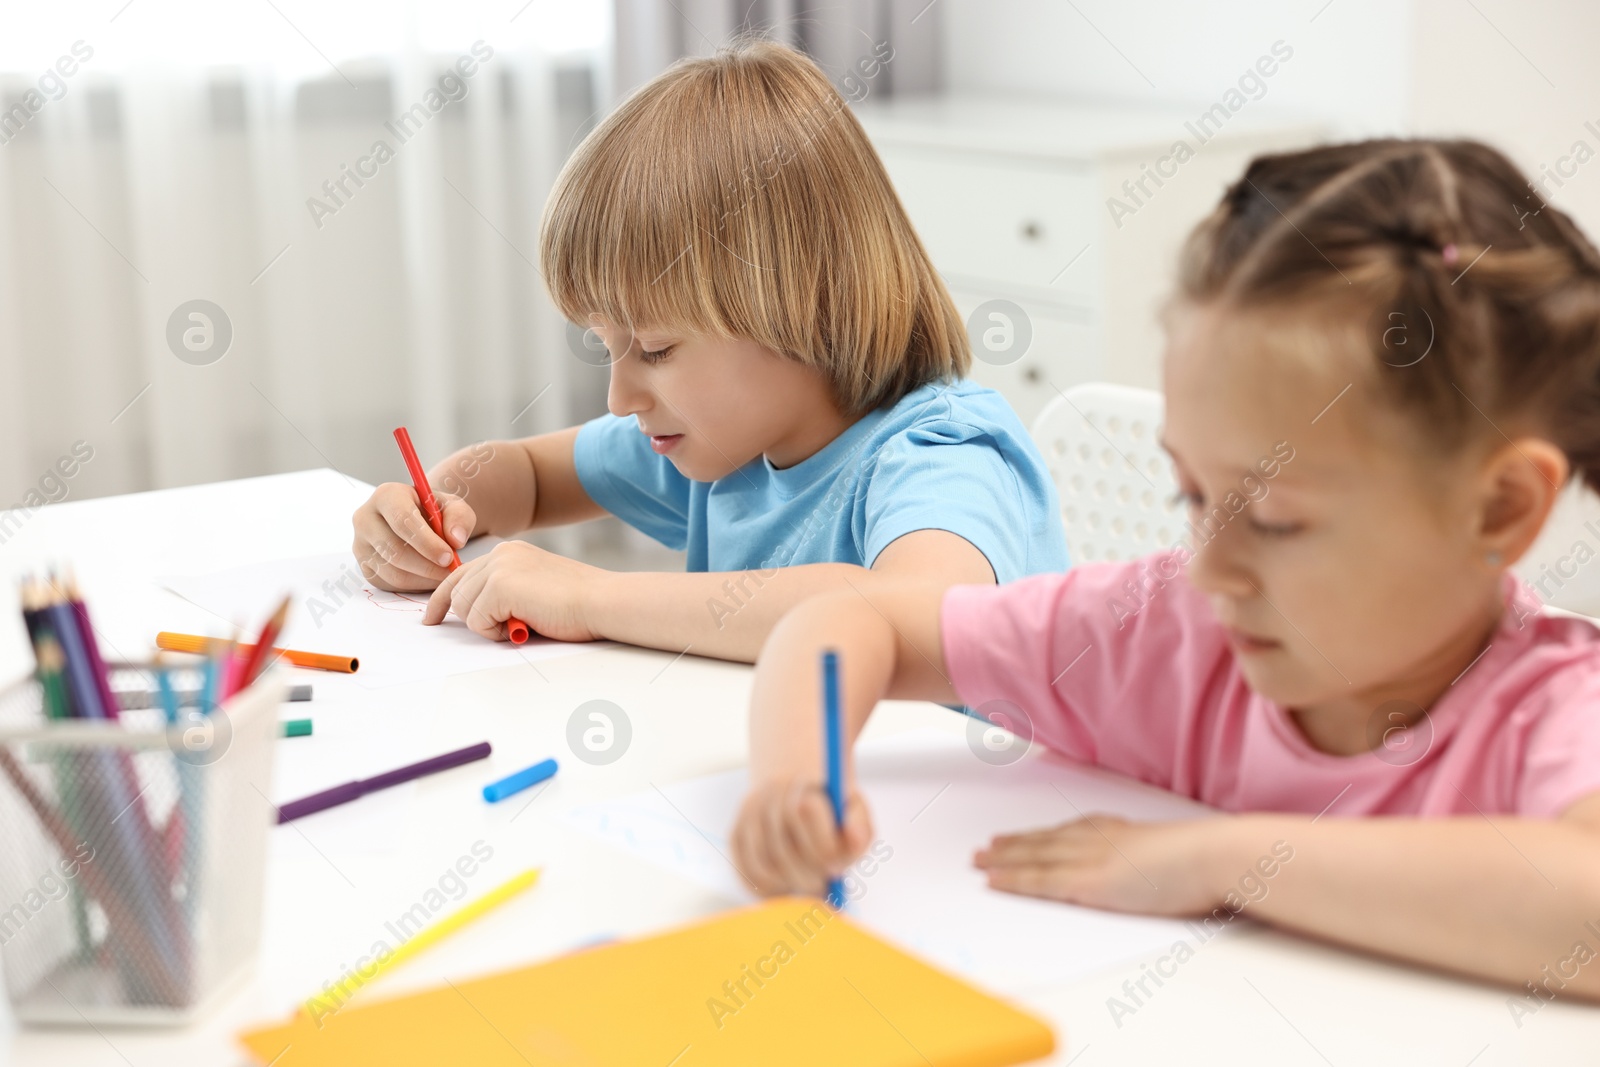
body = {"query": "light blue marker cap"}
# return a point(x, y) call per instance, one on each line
point(516, 783)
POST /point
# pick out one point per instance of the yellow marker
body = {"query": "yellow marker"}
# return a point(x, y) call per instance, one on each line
point(327, 1003)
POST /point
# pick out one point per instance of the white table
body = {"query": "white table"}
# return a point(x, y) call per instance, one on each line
point(1257, 995)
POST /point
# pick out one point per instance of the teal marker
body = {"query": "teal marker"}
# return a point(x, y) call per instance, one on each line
point(516, 783)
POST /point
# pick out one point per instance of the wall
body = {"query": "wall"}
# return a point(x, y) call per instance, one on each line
point(1523, 77)
point(1351, 63)
point(1519, 75)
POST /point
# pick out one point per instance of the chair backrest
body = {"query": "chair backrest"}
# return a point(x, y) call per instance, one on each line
point(1118, 496)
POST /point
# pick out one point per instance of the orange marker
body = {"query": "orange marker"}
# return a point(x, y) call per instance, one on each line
point(516, 629)
point(175, 642)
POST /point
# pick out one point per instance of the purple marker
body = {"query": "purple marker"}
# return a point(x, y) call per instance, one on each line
point(344, 794)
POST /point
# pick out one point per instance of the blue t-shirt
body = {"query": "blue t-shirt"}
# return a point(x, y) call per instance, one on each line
point(946, 457)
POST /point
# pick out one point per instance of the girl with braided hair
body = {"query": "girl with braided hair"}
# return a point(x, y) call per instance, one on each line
point(1383, 366)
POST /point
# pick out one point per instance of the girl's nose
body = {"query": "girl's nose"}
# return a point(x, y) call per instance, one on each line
point(1215, 568)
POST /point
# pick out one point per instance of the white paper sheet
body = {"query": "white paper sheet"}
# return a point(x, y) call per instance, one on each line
point(335, 611)
point(933, 804)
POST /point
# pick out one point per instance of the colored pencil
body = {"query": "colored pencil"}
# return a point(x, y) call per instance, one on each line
point(56, 706)
point(833, 732)
point(230, 666)
point(106, 802)
point(142, 943)
point(176, 642)
point(91, 648)
point(53, 690)
point(516, 629)
point(79, 674)
point(256, 658)
point(348, 791)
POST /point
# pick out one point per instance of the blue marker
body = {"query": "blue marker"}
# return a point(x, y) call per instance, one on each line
point(516, 783)
point(833, 734)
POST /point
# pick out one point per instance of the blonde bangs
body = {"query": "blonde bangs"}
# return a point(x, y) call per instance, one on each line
point(738, 196)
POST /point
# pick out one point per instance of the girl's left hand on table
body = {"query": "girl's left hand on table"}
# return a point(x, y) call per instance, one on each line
point(1102, 861)
point(516, 579)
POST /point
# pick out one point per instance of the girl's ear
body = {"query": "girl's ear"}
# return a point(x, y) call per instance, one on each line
point(1521, 480)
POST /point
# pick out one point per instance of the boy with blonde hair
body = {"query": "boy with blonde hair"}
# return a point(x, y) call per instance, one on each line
point(787, 400)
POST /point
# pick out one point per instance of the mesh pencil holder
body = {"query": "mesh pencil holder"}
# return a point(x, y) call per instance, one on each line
point(134, 856)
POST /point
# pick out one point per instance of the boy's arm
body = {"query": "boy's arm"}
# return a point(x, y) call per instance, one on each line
point(729, 615)
point(517, 485)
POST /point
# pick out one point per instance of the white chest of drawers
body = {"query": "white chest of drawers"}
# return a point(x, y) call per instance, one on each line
point(1012, 198)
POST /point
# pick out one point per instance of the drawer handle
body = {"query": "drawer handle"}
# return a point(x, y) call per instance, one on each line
point(1032, 231)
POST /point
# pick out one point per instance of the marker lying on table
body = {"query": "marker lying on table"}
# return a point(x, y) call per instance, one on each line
point(344, 794)
point(833, 730)
point(516, 629)
point(175, 642)
point(139, 699)
point(295, 728)
point(513, 784)
point(326, 1004)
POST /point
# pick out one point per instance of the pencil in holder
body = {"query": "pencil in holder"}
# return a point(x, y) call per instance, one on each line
point(134, 864)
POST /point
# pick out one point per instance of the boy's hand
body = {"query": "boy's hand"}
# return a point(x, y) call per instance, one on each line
point(394, 546)
point(785, 840)
point(548, 592)
point(1102, 861)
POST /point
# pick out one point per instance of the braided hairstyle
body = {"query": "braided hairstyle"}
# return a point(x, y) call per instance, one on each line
point(1479, 303)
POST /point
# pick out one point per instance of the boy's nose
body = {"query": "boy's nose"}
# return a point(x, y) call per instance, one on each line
point(624, 395)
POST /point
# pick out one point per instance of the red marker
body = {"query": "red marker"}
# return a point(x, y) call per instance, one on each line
point(516, 629)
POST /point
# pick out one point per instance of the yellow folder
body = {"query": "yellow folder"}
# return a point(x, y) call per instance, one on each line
point(784, 982)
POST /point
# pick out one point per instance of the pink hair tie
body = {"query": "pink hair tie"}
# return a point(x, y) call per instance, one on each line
point(1450, 254)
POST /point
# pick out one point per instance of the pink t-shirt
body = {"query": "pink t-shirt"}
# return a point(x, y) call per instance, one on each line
point(1154, 692)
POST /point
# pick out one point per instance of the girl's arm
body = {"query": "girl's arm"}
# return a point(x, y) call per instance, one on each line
point(1499, 898)
point(888, 644)
point(1502, 898)
point(887, 637)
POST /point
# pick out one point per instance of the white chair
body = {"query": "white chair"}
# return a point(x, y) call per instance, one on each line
point(1118, 496)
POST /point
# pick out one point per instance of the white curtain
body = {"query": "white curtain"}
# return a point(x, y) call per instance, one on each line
point(176, 163)
point(158, 179)
point(650, 34)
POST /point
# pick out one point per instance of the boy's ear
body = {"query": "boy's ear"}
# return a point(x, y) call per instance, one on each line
point(1522, 481)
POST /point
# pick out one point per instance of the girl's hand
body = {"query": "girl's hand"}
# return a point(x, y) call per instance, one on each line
point(785, 841)
point(1101, 861)
point(544, 590)
point(394, 546)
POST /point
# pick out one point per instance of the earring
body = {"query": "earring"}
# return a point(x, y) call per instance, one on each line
point(1493, 559)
